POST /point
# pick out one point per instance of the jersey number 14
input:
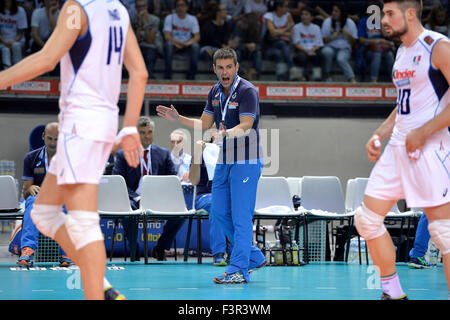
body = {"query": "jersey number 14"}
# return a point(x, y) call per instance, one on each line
point(403, 101)
point(115, 43)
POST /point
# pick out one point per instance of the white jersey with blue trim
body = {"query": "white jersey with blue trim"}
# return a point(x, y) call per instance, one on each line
point(422, 91)
point(91, 73)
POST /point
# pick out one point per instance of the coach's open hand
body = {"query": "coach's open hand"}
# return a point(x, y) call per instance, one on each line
point(168, 113)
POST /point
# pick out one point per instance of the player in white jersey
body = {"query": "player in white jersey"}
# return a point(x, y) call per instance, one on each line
point(93, 38)
point(415, 164)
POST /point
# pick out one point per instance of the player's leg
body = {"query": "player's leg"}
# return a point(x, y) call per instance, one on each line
point(82, 237)
point(439, 227)
point(48, 217)
point(369, 221)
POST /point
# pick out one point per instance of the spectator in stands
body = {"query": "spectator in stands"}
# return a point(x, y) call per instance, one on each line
point(296, 8)
point(180, 159)
point(279, 24)
point(256, 6)
point(307, 41)
point(182, 35)
point(43, 21)
point(13, 23)
point(374, 48)
point(246, 40)
point(146, 27)
point(35, 166)
point(236, 9)
point(166, 7)
point(155, 161)
point(198, 174)
point(197, 7)
point(439, 21)
point(215, 31)
point(339, 35)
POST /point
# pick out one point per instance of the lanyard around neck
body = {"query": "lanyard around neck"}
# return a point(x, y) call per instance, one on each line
point(224, 109)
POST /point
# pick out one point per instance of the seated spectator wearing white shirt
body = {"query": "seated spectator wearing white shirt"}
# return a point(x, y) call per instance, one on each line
point(339, 34)
point(279, 24)
point(43, 21)
point(182, 34)
point(307, 41)
point(13, 23)
point(181, 160)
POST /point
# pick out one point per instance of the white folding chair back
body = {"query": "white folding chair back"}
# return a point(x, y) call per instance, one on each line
point(295, 186)
point(323, 193)
point(273, 197)
point(9, 199)
point(350, 195)
point(163, 195)
point(113, 195)
point(360, 188)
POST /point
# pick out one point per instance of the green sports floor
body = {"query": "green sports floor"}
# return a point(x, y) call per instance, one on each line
point(191, 281)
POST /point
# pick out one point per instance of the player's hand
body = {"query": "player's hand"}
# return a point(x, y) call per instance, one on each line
point(221, 133)
point(199, 146)
point(132, 149)
point(373, 148)
point(34, 190)
point(414, 142)
point(170, 114)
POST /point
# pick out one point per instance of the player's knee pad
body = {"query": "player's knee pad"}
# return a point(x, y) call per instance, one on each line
point(47, 218)
point(440, 233)
point(369, 224)
point(83, 227)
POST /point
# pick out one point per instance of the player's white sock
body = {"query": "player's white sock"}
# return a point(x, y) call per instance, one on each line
point(106, 284)
point(391, 286)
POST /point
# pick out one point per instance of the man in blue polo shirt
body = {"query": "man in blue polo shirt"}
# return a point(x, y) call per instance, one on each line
point(35, 167)
point(233, 105)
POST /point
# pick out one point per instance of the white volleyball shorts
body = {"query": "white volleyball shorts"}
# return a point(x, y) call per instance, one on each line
point(424, 182)
point(79, 160)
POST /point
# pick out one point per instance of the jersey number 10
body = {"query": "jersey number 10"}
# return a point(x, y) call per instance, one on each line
point(403, 101)
point(114, 44)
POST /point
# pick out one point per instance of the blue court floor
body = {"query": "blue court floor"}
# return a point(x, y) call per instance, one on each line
point(190, 281)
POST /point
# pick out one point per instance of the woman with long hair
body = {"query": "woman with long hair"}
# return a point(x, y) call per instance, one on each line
point(13, 22)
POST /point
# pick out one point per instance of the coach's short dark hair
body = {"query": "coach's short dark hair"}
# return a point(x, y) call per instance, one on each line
point(416, 4)
point(225, 53)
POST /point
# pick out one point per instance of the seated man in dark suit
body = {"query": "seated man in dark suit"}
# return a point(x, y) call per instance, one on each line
point(156, 161)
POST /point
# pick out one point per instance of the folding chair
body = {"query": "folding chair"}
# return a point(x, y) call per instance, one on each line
point(322, 199)
point(113, 203)
point(162, 198)
point(9, 203)
point(274, 201)
point(350, 195)
point(393, 214)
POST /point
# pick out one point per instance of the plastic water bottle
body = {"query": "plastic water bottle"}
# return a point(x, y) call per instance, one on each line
point(353, 256)
point(295, 259)
point(278, 253)
point(268, 252)
point(434, 252)
point(288, 254)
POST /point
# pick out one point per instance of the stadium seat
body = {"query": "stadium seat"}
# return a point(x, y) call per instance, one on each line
point(274, 201)
point(113, 203)
point(322, 199)
point(9, 204)
point(162, 198)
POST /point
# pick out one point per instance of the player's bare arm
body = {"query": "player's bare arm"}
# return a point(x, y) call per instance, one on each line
point(384, 131)
point(134, 63)
point(417, 137)
point(72, 23)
